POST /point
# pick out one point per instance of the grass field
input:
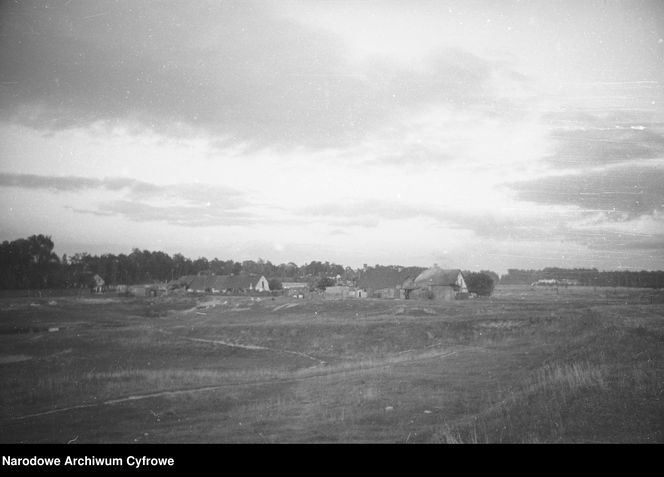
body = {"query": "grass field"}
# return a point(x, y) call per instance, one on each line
point(527, 365)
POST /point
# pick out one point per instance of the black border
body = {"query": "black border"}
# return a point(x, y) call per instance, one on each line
point(340, 459)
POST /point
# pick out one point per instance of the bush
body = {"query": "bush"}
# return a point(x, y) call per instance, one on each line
point(274, 284)
point(324, 282)
point(480, 283)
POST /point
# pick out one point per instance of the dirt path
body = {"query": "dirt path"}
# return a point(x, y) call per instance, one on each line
point(241, 346)
point(345, 370)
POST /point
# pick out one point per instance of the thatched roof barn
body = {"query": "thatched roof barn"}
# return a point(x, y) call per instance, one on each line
point(386, 282)
point(442, 284)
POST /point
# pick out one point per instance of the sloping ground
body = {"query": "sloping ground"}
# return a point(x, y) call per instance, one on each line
point(533, 368)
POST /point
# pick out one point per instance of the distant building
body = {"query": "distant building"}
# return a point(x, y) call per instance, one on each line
point(182, 282)
point(296, 289)
point(137, 290)
point(360, 293)
point(385, 282)
point(149, 290)
point(554, 282)
point(262, 285)
point(242, 283)
point(338, 292)
point(440, 284)
point(546, 282)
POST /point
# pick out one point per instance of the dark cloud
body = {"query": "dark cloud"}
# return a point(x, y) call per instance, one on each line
point(605, 146)
point(63, 184)
point(485, 224)
point(232, 69)
point(610, 240)
point(583, 138)
point(627, 191)
point(219, 196)
point(555, 227)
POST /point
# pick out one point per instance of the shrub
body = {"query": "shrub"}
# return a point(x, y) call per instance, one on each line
point(480, 283)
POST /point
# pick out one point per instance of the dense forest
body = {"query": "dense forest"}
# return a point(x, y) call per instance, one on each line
point(586, 277)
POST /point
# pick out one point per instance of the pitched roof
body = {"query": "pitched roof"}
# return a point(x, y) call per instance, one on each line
point(437, 276)
point(184, 280)
point(386, 277)
point(201, 282)
point(223, 282)
point(241, 281)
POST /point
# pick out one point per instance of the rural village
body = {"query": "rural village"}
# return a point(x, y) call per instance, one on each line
point(321, 352)
point(434, 283)
point(330, 222)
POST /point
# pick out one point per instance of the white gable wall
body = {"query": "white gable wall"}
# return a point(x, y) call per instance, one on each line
point(262, 285)
point(461, 283)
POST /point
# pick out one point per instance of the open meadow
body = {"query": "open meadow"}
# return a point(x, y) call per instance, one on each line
point(526, 365)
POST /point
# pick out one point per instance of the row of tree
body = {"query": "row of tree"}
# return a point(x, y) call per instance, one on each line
point(28, 263)
point(31, 263)
point(586, 277)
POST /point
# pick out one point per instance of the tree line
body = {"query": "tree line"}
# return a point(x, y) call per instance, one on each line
point(587, 277)
point(32, 263)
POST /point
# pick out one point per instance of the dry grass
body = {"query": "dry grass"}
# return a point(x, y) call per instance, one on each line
point(555, 383)
point(568, 378)
point(514, 368)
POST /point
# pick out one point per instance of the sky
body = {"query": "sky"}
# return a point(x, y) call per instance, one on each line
point(471, 134)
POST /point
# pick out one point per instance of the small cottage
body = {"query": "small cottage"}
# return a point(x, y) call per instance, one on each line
point(440, 284)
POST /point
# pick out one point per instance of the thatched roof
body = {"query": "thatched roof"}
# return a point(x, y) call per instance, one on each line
point(437, 276)
point(386, 277)
point(183, 281)
point(223, 282)
point(237, 282)
point(200, 282)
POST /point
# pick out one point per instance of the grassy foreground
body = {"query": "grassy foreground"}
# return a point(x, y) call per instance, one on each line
point(527, 365)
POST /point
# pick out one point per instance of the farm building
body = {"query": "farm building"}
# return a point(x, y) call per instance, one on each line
point(149, 290)
point(386, 282)
point(200, 284)
point(359, 293)
point(440, 284)
point(243, 283)
point(182, 282)
point(554, 282)
point(338, 292)
point(262, 285)
point(137, 290)
point(295, 288)
point(227, 284)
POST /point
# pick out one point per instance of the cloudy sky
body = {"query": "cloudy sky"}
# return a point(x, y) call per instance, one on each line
point(473, 134)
